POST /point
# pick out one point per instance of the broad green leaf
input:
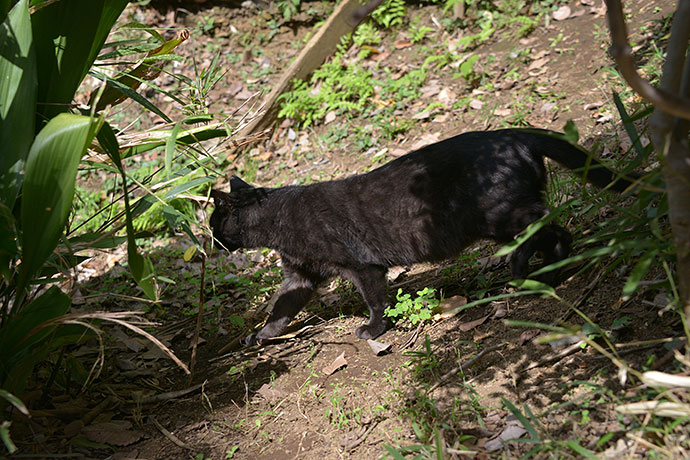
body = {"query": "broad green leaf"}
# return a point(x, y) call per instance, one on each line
point(48, 189)
point(68, 36)
point(17, 98)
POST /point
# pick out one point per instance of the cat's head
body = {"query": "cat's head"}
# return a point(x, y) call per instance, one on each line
point(227, 218)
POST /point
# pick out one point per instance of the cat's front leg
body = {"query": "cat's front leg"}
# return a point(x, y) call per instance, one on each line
point(294, 293)
point(371, 283)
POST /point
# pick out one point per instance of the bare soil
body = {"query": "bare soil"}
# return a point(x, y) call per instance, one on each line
point(276, 401)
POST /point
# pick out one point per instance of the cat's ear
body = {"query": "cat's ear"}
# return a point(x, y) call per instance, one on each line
point(220, 198)
point(238, 184)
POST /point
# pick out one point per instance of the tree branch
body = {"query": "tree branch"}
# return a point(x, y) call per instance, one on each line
point(622, 53)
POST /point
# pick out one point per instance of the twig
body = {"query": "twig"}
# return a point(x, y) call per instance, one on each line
point(585, 294)
point(223, 352)
point(169, 435)
point(467, 363)
point(200, 313)
point(556, 356)
point(622, 53)
point(362, 437)
point(414, 337)
point(170, 394)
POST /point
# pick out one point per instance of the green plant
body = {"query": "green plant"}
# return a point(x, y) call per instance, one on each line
point(390, 13)
point(367, 34)
point(411, 311)
point(419, 33)
point(44, 143)
point(288, 8)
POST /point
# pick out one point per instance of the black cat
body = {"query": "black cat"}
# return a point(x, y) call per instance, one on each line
point(424, 206)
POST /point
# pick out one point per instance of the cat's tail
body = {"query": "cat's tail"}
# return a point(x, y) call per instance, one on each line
point(556, 146)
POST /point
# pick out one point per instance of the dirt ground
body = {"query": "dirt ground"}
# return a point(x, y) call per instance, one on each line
point(281, 400)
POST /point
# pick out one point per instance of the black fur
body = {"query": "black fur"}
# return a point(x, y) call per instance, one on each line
point(425, 206)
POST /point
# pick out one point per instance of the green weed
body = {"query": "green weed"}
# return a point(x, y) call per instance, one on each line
point(408, 311)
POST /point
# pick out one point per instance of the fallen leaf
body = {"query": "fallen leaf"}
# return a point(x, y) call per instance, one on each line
point(115, 433)
point(562, 13)
point(526, 336)
point(537, 64)
point(464, 327)
point(502, 112)
point(398, 152)
point(476, 104)
point(421, 115)
point(270, 393)
point(446, 96)
point(395, 272)
point(402, 43)
point(427, 139)
point(378, 348)
point(441, 118)
point(337, 363)
point(511, 432)
point(500, 310)
point(593, 105)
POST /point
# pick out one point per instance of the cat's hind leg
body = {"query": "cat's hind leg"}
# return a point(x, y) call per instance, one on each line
point(296, 290)
point(370, 281)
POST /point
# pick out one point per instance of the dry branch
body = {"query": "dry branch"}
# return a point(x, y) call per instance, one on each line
point(622, 53)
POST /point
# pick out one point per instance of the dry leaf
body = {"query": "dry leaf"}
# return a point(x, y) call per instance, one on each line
point(395, 272)
point(502, 112)
point(427, 139)
point(115, 433)
point(513, 431)
point(593, 105)
point(476, 104)
point(562, 13)
point(337, 363)
point(446, 96)
point(537, 64)
point(441, 118)
point(402, 43)
point(378, 348)
point(464, 327)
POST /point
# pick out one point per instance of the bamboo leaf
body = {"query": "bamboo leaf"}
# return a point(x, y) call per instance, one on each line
point(68, 36)
point(48, 189)
point(140, 267)
point(170, 147)
point(638, 272)
point(17, 98)
point(16, 402)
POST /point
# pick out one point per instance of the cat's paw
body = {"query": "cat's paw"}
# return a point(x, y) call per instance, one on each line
point(250, 340)
point(366, 331)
